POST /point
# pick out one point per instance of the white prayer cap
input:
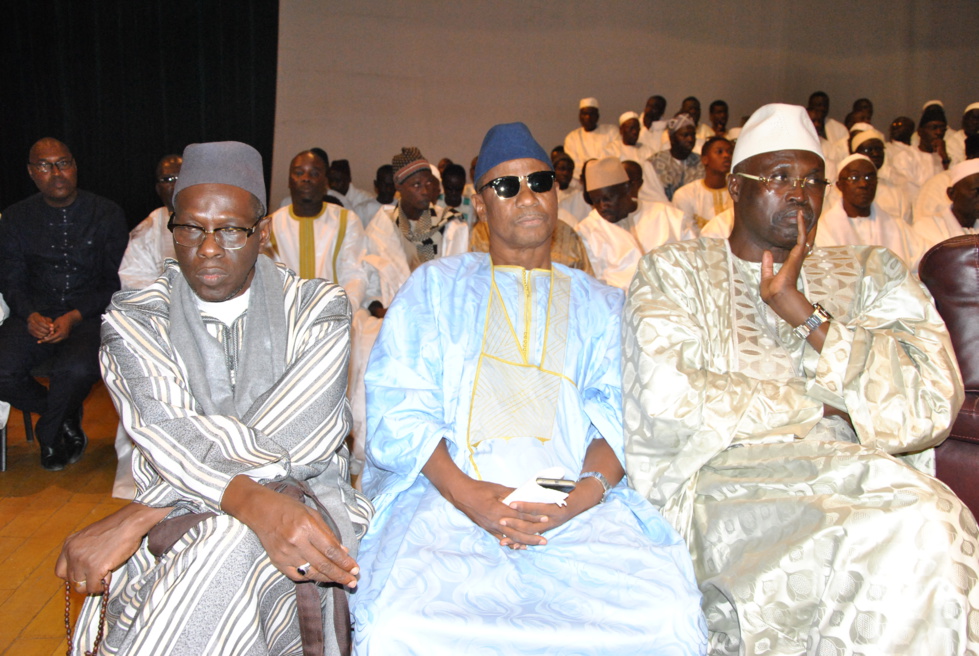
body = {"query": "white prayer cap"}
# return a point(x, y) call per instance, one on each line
point(861, 127)
point(968, 109)
point(958, 172)
point(776, 127)
point(932, 102)
point(588, 102)
point(605, 172)
point(851, 159)
point(866, 135)
point(627, 116)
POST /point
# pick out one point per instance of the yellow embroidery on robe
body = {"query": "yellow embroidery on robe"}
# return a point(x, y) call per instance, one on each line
point(513, 396)
point(307, 244)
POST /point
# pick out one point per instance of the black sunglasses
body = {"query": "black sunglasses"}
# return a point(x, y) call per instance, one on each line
point(508, 186)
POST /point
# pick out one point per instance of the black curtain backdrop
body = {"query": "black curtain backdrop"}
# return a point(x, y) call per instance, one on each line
point(124, 82)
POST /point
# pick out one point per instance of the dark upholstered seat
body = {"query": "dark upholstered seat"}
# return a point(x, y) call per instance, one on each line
point(950, 270)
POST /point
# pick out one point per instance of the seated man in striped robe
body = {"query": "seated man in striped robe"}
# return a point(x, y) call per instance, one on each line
point(229, 372)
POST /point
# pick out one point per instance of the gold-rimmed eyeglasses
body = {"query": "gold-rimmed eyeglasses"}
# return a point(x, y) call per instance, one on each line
point(780, 182)
point(230, 238)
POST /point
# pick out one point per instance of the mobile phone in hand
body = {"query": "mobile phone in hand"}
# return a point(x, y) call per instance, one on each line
point(559, 484)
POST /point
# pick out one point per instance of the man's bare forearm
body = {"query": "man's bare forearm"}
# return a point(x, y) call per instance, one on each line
point(444, 474)
point(138, 518)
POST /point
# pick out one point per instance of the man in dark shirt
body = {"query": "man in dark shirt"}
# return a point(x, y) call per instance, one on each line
point(60, 251)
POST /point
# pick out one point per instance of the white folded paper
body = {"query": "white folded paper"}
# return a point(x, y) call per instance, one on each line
point(531, 492)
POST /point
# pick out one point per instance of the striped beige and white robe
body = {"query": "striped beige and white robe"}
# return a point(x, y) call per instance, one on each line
point(216, 591)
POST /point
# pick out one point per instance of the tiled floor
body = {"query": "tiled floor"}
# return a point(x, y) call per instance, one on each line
point(38, 509)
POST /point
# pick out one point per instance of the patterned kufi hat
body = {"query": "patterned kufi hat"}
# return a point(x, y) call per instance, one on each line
point(408, 162)
point(678, 122)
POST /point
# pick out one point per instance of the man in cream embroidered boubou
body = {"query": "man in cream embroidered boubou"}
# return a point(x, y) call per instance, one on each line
point(767, 428)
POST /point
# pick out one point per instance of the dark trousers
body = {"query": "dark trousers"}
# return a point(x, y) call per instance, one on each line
point(74, 370)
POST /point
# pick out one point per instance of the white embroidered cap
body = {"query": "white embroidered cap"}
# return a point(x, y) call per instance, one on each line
point(776, 127)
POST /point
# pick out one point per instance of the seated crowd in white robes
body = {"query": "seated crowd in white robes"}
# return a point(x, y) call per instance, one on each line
point(591, 140)
point(620, 229)
point(856, 219)
point(706, 198)
point(960, 214)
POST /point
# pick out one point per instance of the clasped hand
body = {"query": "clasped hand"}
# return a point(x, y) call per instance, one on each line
point(517, 525)
point(52, 331)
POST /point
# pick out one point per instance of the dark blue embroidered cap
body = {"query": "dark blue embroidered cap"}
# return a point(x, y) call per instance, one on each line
point(506, 142)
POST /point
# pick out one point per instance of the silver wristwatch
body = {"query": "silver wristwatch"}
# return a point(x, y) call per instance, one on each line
point(600, 477)
point(816, 319)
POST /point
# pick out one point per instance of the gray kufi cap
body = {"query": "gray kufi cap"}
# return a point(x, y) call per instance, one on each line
point(223, 162)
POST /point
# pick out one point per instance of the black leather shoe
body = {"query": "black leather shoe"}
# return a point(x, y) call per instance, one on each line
point(53, 457)
point(74, 438)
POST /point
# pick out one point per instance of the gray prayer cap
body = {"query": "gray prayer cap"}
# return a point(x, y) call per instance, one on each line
point(223, 162)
